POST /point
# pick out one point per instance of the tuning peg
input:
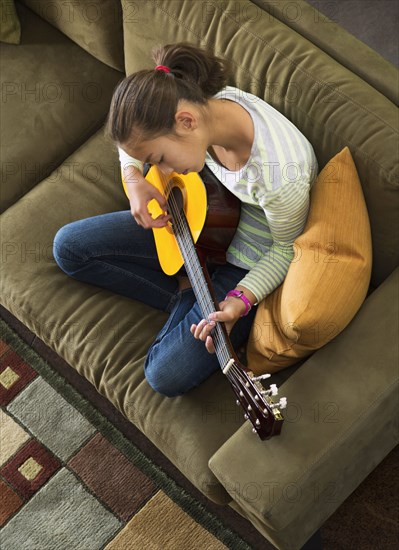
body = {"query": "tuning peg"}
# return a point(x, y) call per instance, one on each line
point(261, 377)
point(282, 403)
point(273, 390)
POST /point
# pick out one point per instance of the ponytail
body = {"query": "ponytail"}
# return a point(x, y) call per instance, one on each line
point(144, 104)
point(194, 65)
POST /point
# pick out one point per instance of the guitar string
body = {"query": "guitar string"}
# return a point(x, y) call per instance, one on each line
point(186, 237)
point(205, 302)
point(234, 369)
point(219, 339)
point(183, 227)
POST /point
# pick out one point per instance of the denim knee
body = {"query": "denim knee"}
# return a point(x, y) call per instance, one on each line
point(66, 251)
point(159, 383)
point(174, 370)
point(161, 378)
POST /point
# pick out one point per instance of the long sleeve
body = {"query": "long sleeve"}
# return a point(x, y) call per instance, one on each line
point(286, 211)
point(273, 188)
point(126, 160)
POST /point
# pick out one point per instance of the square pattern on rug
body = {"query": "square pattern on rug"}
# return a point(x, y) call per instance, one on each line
point(30, 468)
point(63, 483)
point(15, 374)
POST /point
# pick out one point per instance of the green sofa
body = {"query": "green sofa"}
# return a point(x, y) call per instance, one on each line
point(57, 166)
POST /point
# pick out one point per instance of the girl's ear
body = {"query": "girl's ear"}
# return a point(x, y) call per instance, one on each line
point(185, 121)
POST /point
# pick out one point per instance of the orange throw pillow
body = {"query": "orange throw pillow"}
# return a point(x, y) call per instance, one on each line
point(328, 279)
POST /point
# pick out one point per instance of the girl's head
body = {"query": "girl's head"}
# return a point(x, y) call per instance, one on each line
point(145, 104)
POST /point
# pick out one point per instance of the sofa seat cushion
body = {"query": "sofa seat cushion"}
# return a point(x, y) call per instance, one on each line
point(328, 279)
point(54, 96)
point(105, 336)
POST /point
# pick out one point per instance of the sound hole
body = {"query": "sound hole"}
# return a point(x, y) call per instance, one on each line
point(176, 202)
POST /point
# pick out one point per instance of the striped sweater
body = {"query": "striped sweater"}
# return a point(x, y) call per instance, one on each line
point(273, 188)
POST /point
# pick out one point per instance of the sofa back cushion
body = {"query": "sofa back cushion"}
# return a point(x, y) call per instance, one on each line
point(96, 26)
point(332, 106)
point(10, 29)
point(338, 43)
point(54, 96)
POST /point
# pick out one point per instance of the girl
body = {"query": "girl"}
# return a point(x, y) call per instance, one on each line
point(180, 115)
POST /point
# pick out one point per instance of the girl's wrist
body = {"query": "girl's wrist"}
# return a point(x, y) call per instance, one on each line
point(248, 299)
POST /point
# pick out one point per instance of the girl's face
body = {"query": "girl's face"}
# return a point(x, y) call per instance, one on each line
point(182, 152)
point(171, 154)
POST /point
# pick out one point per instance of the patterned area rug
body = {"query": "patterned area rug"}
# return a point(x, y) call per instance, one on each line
point(70, 480)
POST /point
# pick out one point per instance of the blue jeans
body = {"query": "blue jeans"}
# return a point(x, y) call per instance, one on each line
point(112, 251)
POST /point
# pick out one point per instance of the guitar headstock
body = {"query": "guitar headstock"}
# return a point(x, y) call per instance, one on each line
point(257, 401)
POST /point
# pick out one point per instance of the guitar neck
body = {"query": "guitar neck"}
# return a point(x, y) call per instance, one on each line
point(259, 409)
point(198, 276)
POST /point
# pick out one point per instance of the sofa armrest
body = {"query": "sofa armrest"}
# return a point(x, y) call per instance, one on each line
point(339, 424)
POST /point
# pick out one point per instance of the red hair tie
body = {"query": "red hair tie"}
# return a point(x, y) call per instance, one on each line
point(162, 68)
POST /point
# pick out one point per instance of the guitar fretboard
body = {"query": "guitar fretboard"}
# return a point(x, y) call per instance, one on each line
point(195, 272)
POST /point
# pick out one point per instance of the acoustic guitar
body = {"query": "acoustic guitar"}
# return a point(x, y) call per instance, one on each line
point(204, 219)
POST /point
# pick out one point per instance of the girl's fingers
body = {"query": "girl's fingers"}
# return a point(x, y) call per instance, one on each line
point(161, 221)
point(209, 345)
point(147, 221)
point(202, 330)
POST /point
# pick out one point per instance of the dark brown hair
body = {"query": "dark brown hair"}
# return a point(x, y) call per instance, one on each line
point(144, 104)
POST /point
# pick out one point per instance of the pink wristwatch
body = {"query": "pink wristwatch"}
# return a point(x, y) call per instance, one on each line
point(241, 295)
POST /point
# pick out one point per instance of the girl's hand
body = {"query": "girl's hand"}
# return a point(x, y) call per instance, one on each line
point(141, 192)
point(230, 311)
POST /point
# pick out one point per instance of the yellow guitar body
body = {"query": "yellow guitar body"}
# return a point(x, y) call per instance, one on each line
point(195, 208)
